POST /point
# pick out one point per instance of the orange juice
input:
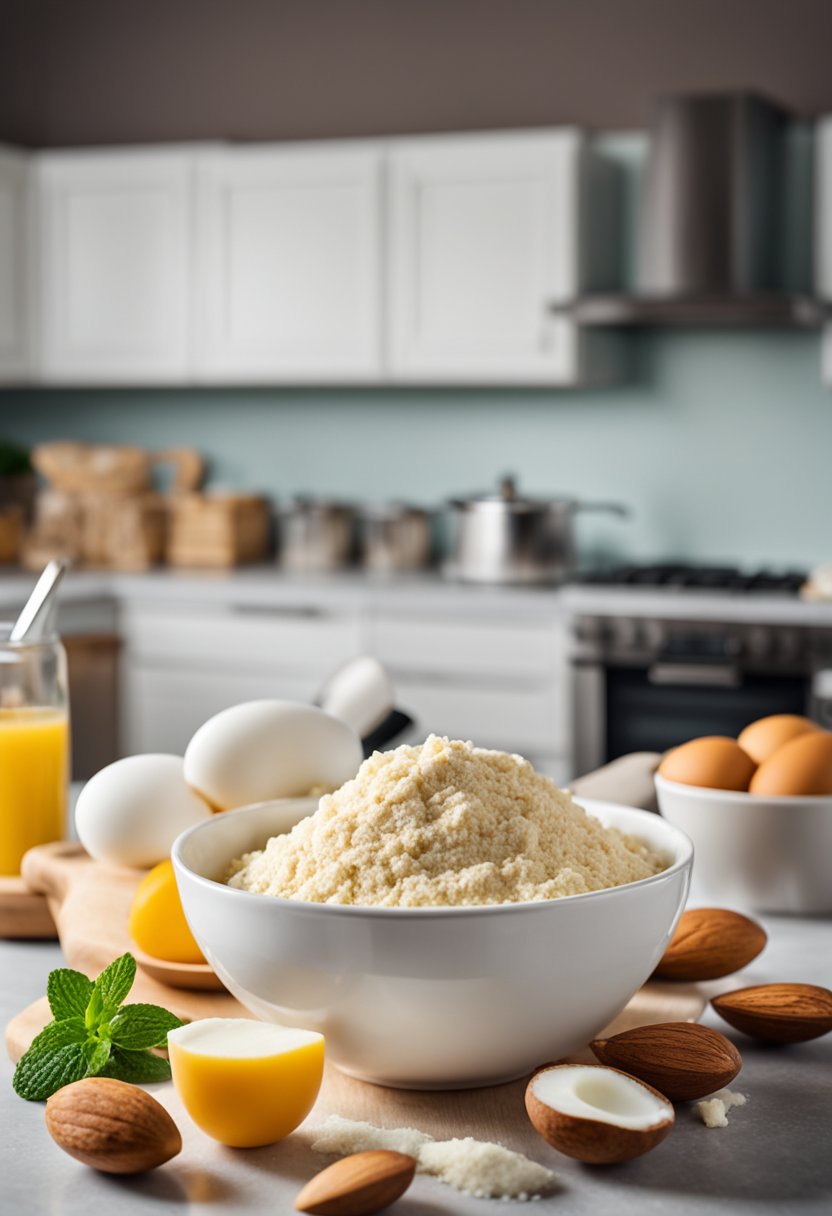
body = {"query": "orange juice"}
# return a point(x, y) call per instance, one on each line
point(34, 773)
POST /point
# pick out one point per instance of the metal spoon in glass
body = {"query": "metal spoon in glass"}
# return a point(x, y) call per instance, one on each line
point(35, 620)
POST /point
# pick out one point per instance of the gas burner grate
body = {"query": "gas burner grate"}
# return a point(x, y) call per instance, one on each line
point(678, 575)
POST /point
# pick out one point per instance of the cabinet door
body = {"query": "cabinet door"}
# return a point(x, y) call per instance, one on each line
point(289, 264)
point(116, 265)
point(484, 237)
point(16, 245)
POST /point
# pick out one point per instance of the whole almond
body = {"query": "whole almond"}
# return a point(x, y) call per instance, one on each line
point(358, 1185)
point(112, 1126)
point(778, 1013)
point(682, 1060)
point(709, 943)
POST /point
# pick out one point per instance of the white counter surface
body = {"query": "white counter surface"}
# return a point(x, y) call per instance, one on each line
point(773, 1159)
point(266, 586)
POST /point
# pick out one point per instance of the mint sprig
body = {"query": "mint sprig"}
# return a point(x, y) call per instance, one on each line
point(94, 1033)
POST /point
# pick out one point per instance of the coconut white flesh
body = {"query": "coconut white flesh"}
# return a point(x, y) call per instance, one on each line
point(587, 1092)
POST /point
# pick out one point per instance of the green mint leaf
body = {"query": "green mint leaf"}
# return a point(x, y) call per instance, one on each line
point(137, 1067)
point(110, 989)
point(138, 1026)
point(55, 1058)
point(97, 1052)
point(68, 992)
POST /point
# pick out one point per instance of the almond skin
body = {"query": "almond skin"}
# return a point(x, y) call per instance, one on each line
point(358, 1185)
point(682, 1060)
point(112, 1126)
point(709, 943)
point(594, 1141)
point(778, 1013)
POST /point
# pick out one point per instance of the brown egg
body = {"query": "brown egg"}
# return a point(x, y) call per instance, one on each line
point(765, 736)
point(714, 761)
point(802, 766)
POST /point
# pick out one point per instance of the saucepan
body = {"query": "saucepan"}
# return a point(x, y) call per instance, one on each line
point(505, 538)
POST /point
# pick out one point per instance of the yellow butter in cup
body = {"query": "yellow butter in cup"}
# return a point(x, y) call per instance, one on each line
point(246, 1083)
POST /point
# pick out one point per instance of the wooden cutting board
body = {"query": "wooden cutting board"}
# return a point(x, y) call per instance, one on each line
point(90, 903)
point(24, 913)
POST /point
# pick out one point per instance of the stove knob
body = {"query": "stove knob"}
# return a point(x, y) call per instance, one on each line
point(790, 644)
point(626, 633)
point(588, 629)
point(759, 642)
point(655, 634)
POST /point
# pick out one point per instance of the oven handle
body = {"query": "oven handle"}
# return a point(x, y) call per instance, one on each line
point(713, 675)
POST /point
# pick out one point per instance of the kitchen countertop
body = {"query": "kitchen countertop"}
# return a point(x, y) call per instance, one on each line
point(266, 586)
point(772, 1159)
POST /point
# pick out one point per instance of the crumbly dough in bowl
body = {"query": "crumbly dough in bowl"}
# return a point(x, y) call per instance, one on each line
point(444, 824)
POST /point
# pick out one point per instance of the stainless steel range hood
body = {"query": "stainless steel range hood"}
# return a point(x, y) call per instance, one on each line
point(713, 222)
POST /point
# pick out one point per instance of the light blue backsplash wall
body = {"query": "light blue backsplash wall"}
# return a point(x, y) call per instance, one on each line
point(721, 443)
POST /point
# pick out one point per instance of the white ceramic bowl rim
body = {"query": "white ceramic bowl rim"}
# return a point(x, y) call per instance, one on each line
point(677, 841)
point(711, 793)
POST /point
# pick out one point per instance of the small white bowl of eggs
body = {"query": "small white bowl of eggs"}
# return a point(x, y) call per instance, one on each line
point(759, 812)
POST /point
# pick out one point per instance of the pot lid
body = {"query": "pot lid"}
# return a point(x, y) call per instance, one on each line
point(506, 498)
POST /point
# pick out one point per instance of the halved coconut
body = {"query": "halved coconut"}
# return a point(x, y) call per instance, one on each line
point(597, 1114)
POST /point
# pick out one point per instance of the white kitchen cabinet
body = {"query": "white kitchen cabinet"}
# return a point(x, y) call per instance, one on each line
point(116, 233)
point(183, 663)
point(501, 681)
point(289, 263)
point(486, 234)
point(17, 248)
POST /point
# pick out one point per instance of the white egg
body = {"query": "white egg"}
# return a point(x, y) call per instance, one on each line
point(131, 812)
point(269, 749)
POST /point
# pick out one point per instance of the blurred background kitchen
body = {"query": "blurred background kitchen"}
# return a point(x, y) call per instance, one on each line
point(490, 339)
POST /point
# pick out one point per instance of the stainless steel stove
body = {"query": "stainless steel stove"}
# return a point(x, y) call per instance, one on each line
point(647, 683)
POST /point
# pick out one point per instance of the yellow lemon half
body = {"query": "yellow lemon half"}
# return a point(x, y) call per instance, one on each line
point(243, 1082)
point(157, 922)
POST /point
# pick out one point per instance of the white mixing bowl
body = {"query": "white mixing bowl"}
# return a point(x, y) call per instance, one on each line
point(761, 854)
point(432, 998)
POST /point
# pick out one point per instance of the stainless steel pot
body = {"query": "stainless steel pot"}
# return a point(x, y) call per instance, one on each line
point(503, 538)
point(316, 535)
point(395, 536)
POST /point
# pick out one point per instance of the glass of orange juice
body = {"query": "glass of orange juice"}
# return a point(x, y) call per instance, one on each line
point(34, 746)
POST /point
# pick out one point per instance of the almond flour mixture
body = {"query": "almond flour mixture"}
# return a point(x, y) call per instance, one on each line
point(444, 824)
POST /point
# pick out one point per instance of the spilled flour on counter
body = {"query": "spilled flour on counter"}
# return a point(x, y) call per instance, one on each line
point(477, 1167)
point(714, 1111)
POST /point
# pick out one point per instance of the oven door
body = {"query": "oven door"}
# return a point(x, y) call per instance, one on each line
point(622, 708)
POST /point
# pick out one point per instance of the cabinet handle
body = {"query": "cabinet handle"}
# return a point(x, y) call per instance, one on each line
point(304, 612)
point(715, 675)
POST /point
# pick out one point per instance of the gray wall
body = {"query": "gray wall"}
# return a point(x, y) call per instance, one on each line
point(97, 71)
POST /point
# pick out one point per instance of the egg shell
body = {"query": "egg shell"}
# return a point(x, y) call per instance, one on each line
point(715, 762)
point(269, 749)
point(130, 813)
point(800, 767)
point(764, 737)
